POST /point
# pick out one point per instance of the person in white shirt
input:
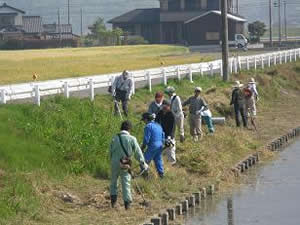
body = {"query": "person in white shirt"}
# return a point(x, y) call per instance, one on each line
point(176, 108)
point(122, 90)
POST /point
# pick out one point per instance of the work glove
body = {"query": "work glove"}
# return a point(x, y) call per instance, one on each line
point(144, 166)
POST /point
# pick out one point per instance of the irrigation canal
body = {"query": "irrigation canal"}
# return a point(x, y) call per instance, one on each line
point(269, 196)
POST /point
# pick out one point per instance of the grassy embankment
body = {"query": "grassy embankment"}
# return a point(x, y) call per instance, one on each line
point(19, 66)
point(62, 147)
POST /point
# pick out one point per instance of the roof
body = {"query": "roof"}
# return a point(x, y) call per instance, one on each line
point(230, 16)
point(54, 28)
point(139, 16)
point(180, 16)
point(32, 24)
point(4, 5)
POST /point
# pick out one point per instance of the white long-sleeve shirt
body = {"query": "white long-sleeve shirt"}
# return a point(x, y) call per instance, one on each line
point(176, 106)
point(252, 87)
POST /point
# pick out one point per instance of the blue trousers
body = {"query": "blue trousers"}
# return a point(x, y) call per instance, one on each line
point(156, 155)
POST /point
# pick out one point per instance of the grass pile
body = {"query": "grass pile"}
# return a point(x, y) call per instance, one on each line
point(63, 146)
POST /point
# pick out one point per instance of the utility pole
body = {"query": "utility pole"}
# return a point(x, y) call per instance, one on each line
point(68, 12)
point(59, 26)
point(225, 49)
point(237, 7)
point(81, 22)
point(285, 21)
point(271, 22)
point(279, 22)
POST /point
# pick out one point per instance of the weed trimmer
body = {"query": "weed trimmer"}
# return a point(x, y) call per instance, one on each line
point(118, 108)
point(144, 203)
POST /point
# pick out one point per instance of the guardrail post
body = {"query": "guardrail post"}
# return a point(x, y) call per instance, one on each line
point(149, 81)
point(66, 89)
point(178, 73)
point(191, 74)
point(165, 79)
point(201, 70)
point(285, 56)
point(255, 63)
point(262, 62)
point(280, 58)
point(211, 66)
point(37, 96)
point(133, 84)
point(248, 63)
point(275, 59)
point(221, 69)
point(269, 60)
point(92, 89)
point(3, 96)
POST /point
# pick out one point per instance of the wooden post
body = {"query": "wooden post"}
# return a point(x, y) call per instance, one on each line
point(275, 60)
point(290, 56)
point(231, 66)
point(3, 96)
point(92, 89)
point(239, 63)
point(165, 80)
point(191, 74)
point(295, 54)
point(262, 62)
point(66, 89)
point(255, 63)
point(149, 81)
point(37, 95)
point(269, 60)
point(178, 73)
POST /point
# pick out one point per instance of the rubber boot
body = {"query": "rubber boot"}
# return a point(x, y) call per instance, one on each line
point(127, 205)
point(113, 200)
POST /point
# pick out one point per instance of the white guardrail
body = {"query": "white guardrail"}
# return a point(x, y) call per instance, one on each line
point(35, 90)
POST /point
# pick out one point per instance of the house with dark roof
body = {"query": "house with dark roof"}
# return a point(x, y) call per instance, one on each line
point(192, 22)
point(14, 24)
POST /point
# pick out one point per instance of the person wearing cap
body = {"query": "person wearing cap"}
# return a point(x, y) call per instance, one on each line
point(176, 108)
point(154, 138)
point(122, 90)
point(251, 96)
point(196, 104)
point(123, 146)
point(166, 119)
point(238, 101)
point(157, 104)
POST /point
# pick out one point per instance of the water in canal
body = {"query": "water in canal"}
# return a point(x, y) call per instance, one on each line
point(271, 196)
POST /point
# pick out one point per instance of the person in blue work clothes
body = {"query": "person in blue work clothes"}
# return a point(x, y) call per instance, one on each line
point(154, 138)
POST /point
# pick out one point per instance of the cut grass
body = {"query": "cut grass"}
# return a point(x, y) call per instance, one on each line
point(19, 66)
point(63, 145)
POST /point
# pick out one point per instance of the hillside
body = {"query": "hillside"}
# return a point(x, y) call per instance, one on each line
point(59, 151)
point(251, 9)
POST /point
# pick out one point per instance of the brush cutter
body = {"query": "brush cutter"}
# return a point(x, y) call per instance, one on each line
point(144, 203)
point(117, 106)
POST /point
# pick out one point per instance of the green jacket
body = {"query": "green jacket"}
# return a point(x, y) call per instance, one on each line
point(131, 145)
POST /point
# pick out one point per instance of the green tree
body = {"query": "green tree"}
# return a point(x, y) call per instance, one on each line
point(256, 30)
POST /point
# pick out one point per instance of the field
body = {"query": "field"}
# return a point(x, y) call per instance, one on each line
point(19, 66)
point(61, 148)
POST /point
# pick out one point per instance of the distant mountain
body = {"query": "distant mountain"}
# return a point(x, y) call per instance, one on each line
point(107, 9)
